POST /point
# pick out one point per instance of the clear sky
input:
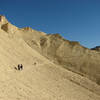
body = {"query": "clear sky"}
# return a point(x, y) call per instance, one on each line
point(77, 20)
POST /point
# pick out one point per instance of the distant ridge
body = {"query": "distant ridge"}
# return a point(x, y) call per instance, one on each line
point(97, 48)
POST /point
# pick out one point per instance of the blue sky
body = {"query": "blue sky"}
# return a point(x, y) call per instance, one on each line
point(76, 20)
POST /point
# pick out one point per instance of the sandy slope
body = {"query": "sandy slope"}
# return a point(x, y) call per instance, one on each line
point(68, 54)
point(43, 81)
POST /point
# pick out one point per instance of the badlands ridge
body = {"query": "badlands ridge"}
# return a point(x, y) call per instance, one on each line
point(53, 68)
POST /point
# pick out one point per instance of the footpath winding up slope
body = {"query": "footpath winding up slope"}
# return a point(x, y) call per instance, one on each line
point(40, 79)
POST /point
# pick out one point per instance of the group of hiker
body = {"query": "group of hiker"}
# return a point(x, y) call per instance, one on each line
point(19, 67)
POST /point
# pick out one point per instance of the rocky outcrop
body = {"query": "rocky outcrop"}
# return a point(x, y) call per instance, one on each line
point(3, 20)
point(6, 26)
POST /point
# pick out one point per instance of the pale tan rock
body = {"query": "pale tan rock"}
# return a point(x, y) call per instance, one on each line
point(3, 20)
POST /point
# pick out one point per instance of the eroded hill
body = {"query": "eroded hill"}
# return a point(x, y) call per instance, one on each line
point(41, 79)
point(72, 55)
point(69, 54)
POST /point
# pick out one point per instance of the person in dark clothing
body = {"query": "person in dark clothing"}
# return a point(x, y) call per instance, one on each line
point(21, 66)
point(15, 68)
point(18, 66)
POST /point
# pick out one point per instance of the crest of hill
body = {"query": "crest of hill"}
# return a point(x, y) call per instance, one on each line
point(11, 29)
point(30, 36)
point(3, 20)
point(57, 35)
point(29, 29)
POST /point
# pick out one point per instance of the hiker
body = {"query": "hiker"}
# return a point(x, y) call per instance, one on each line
point(18, 66)
point(21, 66)
point(15, 68)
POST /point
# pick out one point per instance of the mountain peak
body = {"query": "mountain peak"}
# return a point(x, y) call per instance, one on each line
point(6, 25)
point(3, 20)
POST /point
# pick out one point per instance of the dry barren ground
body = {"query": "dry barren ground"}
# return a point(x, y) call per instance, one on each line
point(43, 81)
